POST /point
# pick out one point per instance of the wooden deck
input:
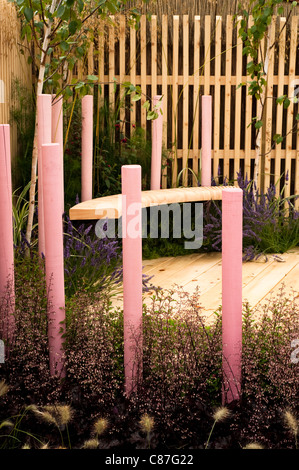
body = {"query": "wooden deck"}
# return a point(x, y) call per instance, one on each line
point(261, 279)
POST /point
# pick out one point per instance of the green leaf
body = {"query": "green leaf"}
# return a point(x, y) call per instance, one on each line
point(258, 124)
point(60, 11)
point(64, 46)
point(28, 13)
point(277, 138)
point(136, 98)
point(280, 99)
point(92, 78)
point(286, 103)
point(297, 117)
point(73, 27)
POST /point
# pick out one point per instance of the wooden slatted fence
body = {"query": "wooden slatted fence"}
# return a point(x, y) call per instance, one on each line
point(182, 60)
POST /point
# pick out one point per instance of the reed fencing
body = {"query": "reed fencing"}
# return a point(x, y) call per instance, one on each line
point(13, 68)
point(183, 58)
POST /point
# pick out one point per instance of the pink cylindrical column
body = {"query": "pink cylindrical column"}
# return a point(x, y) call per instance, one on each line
point(132, 274)
point(232, 220)
point(44, 136)
point(6, 238)
point(87, 148)
point(54, 255)
point(57, 135)
point(206, 138)
point(157, 131)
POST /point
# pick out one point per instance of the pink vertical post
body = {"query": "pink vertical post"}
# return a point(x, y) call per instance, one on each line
point(52, 169)
point(132, 274)
point(87, 148)
point(232, 220)
point(6, 235)
point(44, 136)
point(206, 138)
point(57, 135)
point(157, 131)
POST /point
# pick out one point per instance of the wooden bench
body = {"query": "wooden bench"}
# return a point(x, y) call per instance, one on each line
point(111, 206)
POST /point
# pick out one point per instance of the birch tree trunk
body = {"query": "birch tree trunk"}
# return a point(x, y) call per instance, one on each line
point(39, 90)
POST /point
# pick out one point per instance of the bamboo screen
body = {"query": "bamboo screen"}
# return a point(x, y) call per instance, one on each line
point(13, 66)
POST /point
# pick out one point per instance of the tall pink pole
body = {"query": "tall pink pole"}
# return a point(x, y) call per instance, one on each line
point(52, 169)
point(6, 237)
point(44, 136)
point(206, 138)
point(132, 274)
point(232, 217)
point(57, 135)
point(156, 161)
point(87, 148)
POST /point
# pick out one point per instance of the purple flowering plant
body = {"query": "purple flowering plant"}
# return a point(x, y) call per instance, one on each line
point(91, 263)
point(270, 221)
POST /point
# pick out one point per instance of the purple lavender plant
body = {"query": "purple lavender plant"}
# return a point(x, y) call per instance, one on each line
point(90, 263)
point(270, 222)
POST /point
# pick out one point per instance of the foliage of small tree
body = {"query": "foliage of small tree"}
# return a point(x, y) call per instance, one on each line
point(58, 34)
point(261, 13)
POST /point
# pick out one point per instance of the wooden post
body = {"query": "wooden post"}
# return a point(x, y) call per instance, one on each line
point(206, 139)
point(157, 129)
point(87, 146)
point(6, 236)
point(57, 136)
point(232, 217)
point(52, 169)
point(132, 274)
point(44, 136)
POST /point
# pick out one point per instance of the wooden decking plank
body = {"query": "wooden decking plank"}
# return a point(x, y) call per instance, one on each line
point(289, 284)
point(170, 273)
point(212, 298)
point(268, 279)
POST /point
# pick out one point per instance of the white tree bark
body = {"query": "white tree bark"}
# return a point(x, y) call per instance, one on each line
point(39, 90)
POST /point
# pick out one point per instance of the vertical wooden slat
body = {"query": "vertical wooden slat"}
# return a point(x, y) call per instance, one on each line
point(101, 63)
point(207, 56)
point(185, 123)
point(238, 104)
point(196, 98)
point(175, 65)
point(164, 90)
point(280, 92)
point(268, 108)
point(133, 59)
point(122, 66)
point(154, 55)
point(90, 56)
point(290, 111)
point(228, 85)
point(143, 59)
point(216, 107)
point(111, 71)
point(260, 178)
point(248, 128)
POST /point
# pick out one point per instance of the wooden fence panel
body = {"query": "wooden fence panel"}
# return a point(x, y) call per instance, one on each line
point(183, 58)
